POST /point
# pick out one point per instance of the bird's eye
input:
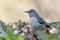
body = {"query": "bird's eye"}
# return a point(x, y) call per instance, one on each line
point(30, 11)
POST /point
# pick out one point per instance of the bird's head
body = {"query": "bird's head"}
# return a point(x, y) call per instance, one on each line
point(30, 11)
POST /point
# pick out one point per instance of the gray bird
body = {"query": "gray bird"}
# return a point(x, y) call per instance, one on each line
point(35, 19)
point(36, 22)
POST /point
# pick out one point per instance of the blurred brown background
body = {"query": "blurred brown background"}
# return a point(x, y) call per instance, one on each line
point(13, 10)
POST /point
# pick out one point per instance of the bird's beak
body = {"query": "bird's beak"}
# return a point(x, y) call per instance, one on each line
point(26, 11)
